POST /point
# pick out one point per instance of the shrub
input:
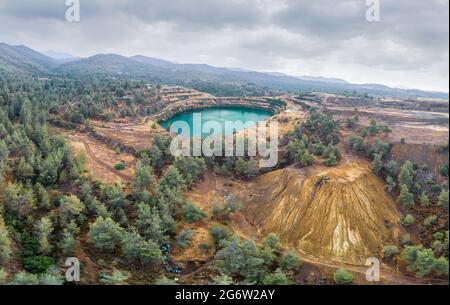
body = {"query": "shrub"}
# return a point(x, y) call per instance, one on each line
point(408, 220)
point(184, 239)
point(390, 251)
point(51, 278)
point(390, 184)
point(25, 278)
point(290, 261)
point(430, 221)
point(342, 276)
point(406, 239)
point(192, 213)
point(164, 281)
point(218, 234)
point(223, 280)
point(204, 247)
point(392, 167)
point(117, 277)
point(443, 170)
point(37, 264)
point(356, 143)
point(443, 199)
point(3, 276)
point(439, 236)
point(276, 278)
point(5, 243)
point(424, 200)
point(119, 166)
point(423, 262)
point(377, 164)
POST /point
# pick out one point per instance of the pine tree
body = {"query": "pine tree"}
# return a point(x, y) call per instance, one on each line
point(67, 243)
point(137, 249)
point(105, 234)
point(390, 184)
point(19, 200)
point(149, 223)
point(406, 175)
point(144, 179)
point(377, 164)
point(405, 197)
point(192, 213)
point(44, 228)
point(71, 207)
point(172, 180)
point(241, 167)
point(192, 169)
point(424, 200)
point(42, 196)
point(4, 152)
point(5, 243)
point(443, 199)
point(331, 159)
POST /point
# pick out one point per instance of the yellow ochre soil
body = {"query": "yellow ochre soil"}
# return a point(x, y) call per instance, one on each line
point(341, 213)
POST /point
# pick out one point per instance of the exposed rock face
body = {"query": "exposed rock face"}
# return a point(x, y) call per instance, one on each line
point(341, 214)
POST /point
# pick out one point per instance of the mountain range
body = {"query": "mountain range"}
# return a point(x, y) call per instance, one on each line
point(26, 60)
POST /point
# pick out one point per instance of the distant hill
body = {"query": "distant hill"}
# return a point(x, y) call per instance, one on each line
point(59, 56)
point(24, 59)
point(199, 76)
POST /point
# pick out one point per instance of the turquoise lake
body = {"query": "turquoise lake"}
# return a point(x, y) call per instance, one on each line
point(219, 115)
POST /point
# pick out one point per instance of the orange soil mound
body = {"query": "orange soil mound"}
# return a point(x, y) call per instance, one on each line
point(340, 213)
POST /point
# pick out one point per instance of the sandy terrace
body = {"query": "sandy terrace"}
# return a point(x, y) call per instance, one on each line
point(100, 159)
point(139, 136)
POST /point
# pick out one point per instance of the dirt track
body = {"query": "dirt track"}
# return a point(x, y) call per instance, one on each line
point(103, 164)
point(386, 276)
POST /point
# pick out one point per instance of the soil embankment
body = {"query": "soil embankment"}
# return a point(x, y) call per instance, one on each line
point(341, 214)
point(421, 154)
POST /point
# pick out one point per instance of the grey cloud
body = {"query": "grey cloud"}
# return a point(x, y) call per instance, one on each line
point(285, 35)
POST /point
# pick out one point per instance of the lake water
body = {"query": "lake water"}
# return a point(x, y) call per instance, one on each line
point(219, 115)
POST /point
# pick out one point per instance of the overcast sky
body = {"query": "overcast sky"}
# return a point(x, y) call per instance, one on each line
point(408, 47)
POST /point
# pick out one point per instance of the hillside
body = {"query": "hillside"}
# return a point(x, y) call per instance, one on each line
point(23, 59)
point(221, 81)
point(342, 214)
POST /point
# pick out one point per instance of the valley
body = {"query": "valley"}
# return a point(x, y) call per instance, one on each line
point(332, 217)
point(87, 171)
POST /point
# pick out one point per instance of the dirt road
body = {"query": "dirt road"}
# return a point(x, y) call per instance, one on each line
point(103, 164)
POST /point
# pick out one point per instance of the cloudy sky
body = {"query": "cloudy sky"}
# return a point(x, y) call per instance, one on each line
point(408, 47)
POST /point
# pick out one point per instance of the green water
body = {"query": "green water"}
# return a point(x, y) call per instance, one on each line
point(219, 115)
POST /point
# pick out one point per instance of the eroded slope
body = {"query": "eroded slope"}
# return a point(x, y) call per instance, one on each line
point(340, 213)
